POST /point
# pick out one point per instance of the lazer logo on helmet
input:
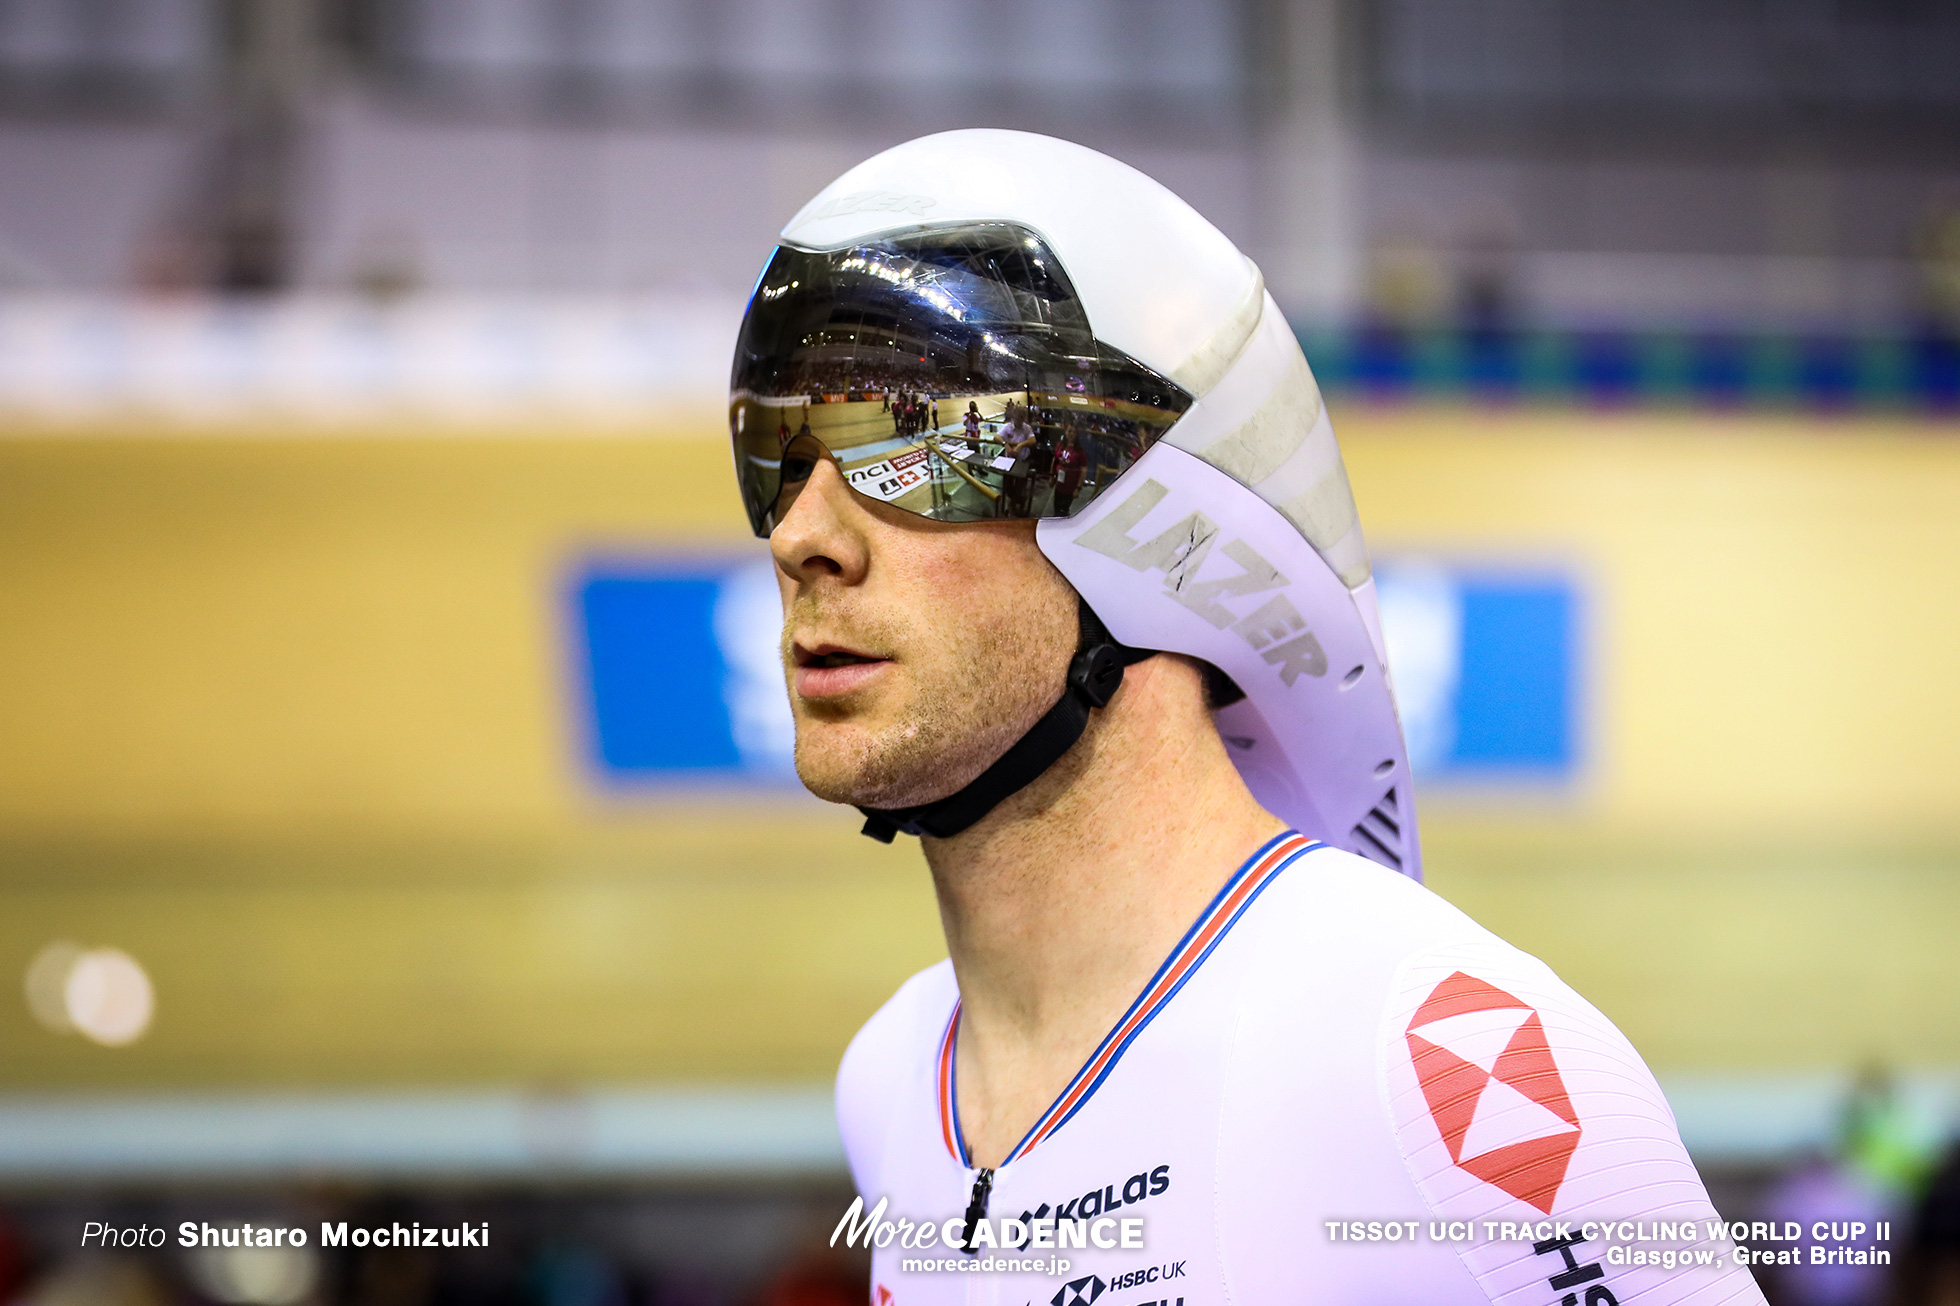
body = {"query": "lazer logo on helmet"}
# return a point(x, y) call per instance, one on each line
point(872, 201)
point(1275, 628)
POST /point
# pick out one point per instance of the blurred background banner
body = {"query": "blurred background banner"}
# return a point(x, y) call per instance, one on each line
point(683, 672)
point(1487, 667)
point(396, 810)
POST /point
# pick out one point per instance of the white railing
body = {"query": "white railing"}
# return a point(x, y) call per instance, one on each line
point(334, 359)
point(78, 1138)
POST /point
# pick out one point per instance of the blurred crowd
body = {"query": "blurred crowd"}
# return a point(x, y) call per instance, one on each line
point(1880, 1172)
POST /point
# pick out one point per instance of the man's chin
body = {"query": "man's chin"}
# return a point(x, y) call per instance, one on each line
point(882, 769)
point(837, 782)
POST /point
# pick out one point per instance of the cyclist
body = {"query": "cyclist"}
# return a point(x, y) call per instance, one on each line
point(1200, 1024)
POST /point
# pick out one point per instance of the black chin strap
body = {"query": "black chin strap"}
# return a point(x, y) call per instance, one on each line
point(1094, 676)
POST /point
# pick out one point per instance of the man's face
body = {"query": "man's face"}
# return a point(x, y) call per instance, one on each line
point(917, 651)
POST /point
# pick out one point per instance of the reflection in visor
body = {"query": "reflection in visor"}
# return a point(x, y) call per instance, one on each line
point(950, 373)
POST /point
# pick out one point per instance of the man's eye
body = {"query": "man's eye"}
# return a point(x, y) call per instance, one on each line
point(798, 469)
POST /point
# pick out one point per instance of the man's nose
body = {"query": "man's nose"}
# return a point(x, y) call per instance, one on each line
point(821, 533)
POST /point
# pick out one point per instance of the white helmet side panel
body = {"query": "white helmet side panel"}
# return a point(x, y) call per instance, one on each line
point(1181, 557)
point(1263, 424)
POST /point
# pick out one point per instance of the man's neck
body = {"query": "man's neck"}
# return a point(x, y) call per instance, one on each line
point(1061, 903)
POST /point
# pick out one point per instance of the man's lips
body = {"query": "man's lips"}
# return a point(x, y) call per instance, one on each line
point(832, 670)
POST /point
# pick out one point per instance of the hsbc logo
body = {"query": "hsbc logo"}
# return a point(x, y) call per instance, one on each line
point(1493, 1088)
point(1154, 1274)
point(1275, 627)
point(1081, 1292)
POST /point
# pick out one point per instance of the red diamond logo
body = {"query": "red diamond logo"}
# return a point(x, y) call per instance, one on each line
point(1493, 1089)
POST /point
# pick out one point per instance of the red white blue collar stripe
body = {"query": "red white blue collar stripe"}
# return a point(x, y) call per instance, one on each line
point(1198, 943)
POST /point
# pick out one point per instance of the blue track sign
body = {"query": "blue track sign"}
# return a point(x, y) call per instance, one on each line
point(1486, 667)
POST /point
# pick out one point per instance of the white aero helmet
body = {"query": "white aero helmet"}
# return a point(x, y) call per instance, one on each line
point(982, 324)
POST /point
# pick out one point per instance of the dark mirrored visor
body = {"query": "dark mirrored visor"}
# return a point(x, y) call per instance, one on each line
point(951, 373)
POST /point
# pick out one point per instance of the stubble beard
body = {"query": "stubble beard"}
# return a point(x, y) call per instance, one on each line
point(962, 702)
